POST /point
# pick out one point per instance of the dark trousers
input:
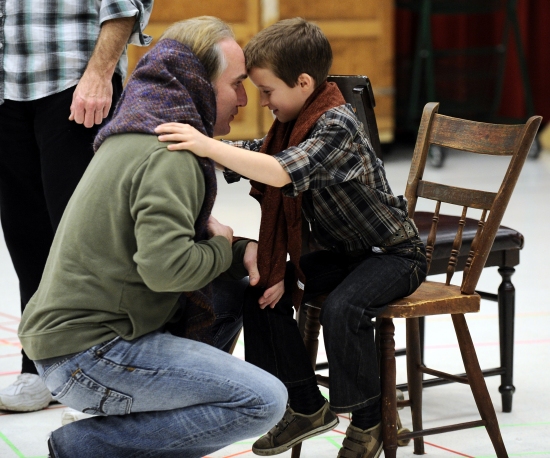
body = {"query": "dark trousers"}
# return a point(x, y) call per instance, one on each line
point(360, 288)
point(42, 158)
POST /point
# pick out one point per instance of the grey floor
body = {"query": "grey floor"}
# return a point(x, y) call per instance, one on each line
point(526, 430)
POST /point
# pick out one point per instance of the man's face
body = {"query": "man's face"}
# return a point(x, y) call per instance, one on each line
point(230, 93)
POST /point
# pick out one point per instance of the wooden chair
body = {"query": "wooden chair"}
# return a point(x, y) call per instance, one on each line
point(437, 298)
point(443, 298)
point(357, 91)
point(504, 253)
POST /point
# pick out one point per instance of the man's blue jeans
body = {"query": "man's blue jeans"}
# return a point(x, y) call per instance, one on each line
point(360, 288)
point(159, 396)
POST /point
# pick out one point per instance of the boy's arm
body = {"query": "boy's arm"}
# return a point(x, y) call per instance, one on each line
point(259, 167)
point(252, 145)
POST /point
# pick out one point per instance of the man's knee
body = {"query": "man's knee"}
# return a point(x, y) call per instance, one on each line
point(275, 397)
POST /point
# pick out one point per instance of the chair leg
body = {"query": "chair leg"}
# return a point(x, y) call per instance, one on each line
point(311, 333)
point(414, 379)
point(422, 331)
point(477, 384)
point(506, 313)
point(234, 344)
point(388, 376)
point(296, 450)
point(301, 319)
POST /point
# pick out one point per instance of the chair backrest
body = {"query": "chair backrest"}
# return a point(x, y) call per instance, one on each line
point(357, 91)
point(479, 138)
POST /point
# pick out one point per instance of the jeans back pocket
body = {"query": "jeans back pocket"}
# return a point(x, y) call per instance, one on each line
point(86, 395)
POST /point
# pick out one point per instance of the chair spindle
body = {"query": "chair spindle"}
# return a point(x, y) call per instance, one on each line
point(432, 235)
point(457, 244)
point(473, 246)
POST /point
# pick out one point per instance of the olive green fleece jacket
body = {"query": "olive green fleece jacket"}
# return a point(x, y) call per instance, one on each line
point(124, 250)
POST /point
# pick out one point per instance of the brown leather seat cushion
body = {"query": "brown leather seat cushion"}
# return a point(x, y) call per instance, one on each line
point(505, 239)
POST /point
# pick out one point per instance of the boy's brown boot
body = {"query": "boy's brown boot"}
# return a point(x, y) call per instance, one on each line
point(360, 443)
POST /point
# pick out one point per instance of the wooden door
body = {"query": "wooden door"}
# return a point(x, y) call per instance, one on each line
point(244, 18)
point(361, 35)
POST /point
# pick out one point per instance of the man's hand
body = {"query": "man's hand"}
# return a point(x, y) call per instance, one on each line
point(250, 262)
point(272, 295)
point(92, 99)
point(93, 95)
point(188, 137)
point(214, 227)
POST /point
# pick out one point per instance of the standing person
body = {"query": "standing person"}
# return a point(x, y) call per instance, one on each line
point(318, 163)
point(62, 65)
point(137, 233)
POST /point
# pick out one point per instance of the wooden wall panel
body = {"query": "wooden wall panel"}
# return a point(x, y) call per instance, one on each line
point(175, 10)
point(315, 10)
point(360, 33)
point(361, 36)
point(244, 18)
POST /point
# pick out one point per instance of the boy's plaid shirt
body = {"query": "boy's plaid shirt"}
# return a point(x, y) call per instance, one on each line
point(45, 45)
point(347, 199)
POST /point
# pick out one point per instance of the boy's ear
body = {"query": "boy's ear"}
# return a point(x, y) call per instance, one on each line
point(306, 82)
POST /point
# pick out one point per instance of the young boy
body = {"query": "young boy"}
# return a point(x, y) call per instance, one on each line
point(319, 164)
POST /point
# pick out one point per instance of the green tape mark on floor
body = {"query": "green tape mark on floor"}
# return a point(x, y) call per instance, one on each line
point(10, 445)
point(337, 444)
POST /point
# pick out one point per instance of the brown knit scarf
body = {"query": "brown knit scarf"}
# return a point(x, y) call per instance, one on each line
point(281, 222)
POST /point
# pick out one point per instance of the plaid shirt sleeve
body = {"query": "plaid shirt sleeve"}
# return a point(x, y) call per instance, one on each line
point(334, 153)
point(115, 9)
point(251, 145)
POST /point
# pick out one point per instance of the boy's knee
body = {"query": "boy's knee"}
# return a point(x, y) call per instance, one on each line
point(340, 318)
point(333, 312)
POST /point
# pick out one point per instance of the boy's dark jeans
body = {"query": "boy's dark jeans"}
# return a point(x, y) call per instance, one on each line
point(360, 287)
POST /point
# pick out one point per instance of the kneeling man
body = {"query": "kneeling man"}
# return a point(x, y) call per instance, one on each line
point(137, 234)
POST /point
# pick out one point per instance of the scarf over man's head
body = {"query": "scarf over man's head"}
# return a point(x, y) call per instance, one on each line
point(169, 84)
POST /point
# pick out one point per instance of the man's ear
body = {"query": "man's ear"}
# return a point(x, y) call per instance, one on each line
point(306, 82)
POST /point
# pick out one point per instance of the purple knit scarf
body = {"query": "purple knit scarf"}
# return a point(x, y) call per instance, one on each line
point(169, 84)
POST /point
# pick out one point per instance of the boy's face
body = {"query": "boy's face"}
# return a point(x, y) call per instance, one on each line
point(285, 102)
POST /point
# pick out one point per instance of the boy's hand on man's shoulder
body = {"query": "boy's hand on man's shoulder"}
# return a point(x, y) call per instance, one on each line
point(185, 136)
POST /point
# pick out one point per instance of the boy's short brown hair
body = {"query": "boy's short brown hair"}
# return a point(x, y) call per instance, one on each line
point(289, 48)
